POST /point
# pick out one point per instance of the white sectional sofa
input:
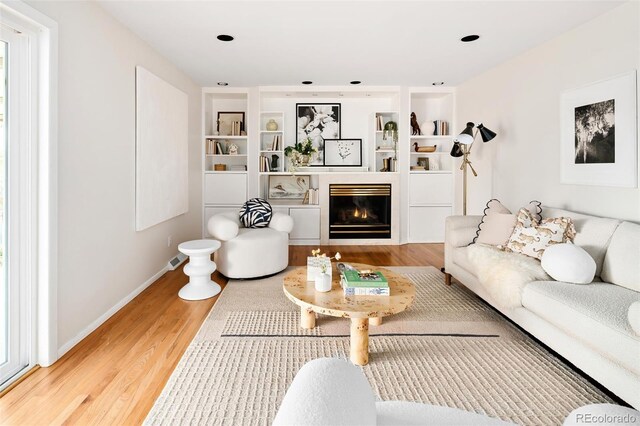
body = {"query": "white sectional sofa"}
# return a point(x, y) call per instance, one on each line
point(588, 324)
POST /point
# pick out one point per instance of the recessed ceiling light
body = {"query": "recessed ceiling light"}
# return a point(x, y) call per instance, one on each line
point(341, 94)
point(355, 82)
point(307, 82)
point(225, 37)
point(368, 94)
point(223, 83)
point(471, 37)
point(437, 83)
point(314, 94)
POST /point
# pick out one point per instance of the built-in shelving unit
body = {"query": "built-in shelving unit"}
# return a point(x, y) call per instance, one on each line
point(423, 197)
point(430, 181)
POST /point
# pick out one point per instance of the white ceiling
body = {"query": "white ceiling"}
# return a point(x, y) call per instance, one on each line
point(412, 43)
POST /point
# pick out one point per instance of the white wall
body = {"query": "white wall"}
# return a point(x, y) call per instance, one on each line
point(102, 259)
point(520, 100)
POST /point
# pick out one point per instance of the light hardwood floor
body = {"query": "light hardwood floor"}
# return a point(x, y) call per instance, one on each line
point(115, 374)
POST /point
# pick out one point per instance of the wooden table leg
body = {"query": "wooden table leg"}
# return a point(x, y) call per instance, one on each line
point(375, 321)
point(307, 318)
point(360, 341)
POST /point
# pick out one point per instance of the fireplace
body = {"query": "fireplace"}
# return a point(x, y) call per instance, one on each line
point(359, 211)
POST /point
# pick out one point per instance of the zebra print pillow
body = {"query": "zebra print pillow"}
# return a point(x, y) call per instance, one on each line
point(256, 213)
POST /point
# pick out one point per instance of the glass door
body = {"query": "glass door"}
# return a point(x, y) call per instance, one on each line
point(15, 205)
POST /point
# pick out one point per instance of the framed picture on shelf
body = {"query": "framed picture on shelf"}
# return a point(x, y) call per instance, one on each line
point(288, 187)
point(342, 152)
point(599, 134)
point(230, 123)
point(318, 121)
point(423, 162)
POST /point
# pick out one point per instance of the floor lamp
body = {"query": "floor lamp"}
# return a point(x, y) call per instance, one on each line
point(462, 145)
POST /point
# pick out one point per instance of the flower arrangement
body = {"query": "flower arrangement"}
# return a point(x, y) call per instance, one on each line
point(323, 267)
point(299, 151)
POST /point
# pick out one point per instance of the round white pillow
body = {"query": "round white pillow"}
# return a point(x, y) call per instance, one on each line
point(634, 317)
point(569, 263)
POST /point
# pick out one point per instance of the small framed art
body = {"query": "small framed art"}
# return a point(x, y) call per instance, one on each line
point(343, 152)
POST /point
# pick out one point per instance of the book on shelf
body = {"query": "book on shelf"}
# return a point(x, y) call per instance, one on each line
point(210, 147)
point(219, 150)
point(441, 128)
point(379, 122)
point(237, 168)
point(275, 143)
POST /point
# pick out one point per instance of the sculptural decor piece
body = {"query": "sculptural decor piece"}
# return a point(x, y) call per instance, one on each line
point(415, 127)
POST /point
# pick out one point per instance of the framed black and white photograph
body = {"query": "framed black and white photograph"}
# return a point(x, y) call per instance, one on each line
point(287, 187)
point(343, 152)
point(230, 123)
point(318, 121)
point(599, 134)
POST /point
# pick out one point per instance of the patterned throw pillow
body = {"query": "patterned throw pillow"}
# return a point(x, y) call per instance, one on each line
point(256, 213)
point(497, 223)
point(532, 236)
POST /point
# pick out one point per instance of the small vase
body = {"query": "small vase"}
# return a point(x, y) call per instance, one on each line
point(274, 162)
point(428, 127)
point(323, 282)
point(304, 160)
point(272, 126)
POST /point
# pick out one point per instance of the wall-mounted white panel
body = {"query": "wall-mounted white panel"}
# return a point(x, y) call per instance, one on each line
point(162, 166)
point(430, 189)
point(225, 188)
point(426, 224)
point(306, 224)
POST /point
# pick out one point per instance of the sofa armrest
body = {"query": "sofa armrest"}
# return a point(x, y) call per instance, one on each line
point(281, 222)
point(460, 230)
point(224, 226)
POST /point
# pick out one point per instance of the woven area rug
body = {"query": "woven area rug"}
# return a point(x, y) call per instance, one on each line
point(448, 349)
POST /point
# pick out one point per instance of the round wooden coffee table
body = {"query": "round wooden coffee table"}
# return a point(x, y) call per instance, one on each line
point(363, 310)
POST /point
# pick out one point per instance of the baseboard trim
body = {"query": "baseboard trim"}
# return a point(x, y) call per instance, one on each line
point(104, 317)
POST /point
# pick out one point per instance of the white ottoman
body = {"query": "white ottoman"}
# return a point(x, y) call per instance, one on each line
point(199, 269)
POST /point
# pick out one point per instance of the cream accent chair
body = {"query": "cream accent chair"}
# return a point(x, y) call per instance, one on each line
point(332, 391)
point(250, 252)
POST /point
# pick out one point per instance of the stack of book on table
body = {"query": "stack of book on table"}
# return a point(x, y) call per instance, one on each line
point(364, 283)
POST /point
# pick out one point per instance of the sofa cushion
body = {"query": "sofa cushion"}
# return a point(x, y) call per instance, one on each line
point(498, 222)
point(594, 313)
point(622, 261)
point(532, 237)
point(592, 233)
point(461, 258)
point(256, 213)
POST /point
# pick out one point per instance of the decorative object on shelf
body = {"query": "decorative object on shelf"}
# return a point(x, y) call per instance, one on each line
point(275, 159)
point(317, 122)
point(428, 128)
point(342, 152)
point(220, 167)
point(300, 154)
point(389, 164)
point(230, 123)
point(441, 128)
point(423, 162)
point(232, 149)
point(462, 145)
point(415, 128)
point(418, 148)
point(293, 187)
point(434, 164)
point(599, 138)
point(390, 130)
point(271, 125)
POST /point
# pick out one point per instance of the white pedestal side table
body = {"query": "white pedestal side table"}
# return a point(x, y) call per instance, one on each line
point(199, 269)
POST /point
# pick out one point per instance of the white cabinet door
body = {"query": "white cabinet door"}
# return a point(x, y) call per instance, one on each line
point(430, 189)
point(225, 188)
point(210, 211)
point(426, 224)
point(306, 224)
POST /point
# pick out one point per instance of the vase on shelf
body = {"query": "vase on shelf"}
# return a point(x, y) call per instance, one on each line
point(272, 126)
point(323, 282)
point(428, 127)
point(274, 162)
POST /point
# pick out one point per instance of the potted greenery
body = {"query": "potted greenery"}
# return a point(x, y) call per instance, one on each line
point(300, 153)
